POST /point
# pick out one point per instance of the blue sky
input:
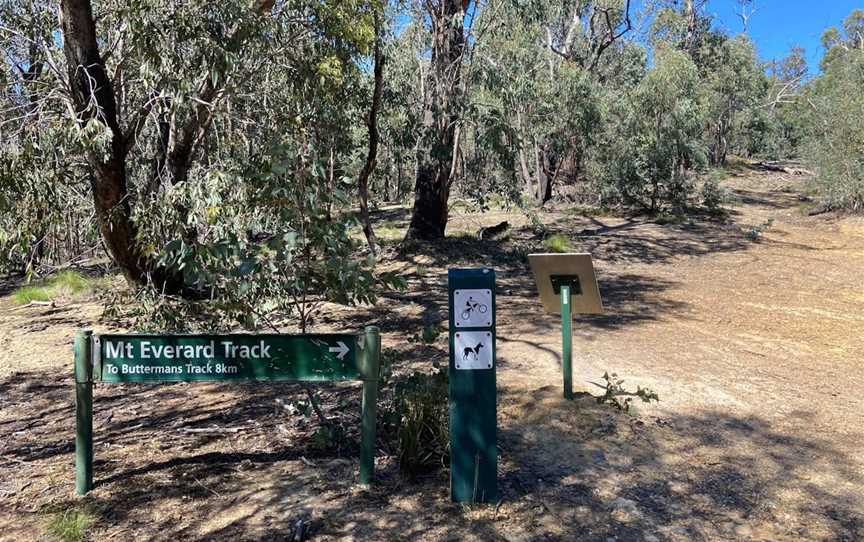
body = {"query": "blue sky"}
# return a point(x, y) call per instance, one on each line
point(777, 25)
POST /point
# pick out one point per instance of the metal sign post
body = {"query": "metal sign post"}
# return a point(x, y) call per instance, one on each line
point(567, 285)
point(194, 358)
point(473, 405)
point(567, 340)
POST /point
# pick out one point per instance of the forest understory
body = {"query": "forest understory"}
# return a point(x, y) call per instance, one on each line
point(748, 327)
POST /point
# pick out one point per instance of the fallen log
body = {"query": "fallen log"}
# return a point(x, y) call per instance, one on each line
point(34, 304)
point(492, 232)
point(819, 210)
point(770, 166)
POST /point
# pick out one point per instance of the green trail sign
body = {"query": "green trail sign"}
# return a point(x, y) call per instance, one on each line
point(473, 401)
point(186, 358)
point(164, 358)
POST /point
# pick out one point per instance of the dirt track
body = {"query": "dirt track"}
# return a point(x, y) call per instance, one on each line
point(754, 347)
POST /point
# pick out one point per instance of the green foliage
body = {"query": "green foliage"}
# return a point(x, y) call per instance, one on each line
point(713, 197)
point(65, 283)
point(754, 233)
point(652, 150)
point(257, 223)
point(70, 525)
point(835, 137)
point(429, 334)
point(735, 85)
point(557, 243)
point(418, 418)
point(614, 391)
point(537, 225)
point(26, 294)
point(268, 240)
point(327, 437)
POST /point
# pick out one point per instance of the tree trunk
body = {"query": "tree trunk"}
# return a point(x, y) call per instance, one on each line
point(437, 155)
point(527, 179)
point(690, 18)
point(372, 156)
point(90, 86)
point(398, 177)
point(93, 98)
point(388, 160)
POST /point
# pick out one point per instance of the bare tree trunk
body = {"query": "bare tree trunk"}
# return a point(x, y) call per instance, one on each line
point(527, 179)
point(331, 176)
point(93, 98)
point(372, 155)
point(690, 18)
point(398, 177)
point(437, 156)
point(388, 159)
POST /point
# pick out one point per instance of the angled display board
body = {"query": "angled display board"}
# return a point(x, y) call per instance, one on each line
point(551, 270)
point(567, 286)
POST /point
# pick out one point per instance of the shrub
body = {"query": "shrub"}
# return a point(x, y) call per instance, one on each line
point(416, 422)
point(834, 145)
point(64, 283)
point(713, 197)
point(70, 525)
point(557, 243)
point(614, 391)
point(754, 233)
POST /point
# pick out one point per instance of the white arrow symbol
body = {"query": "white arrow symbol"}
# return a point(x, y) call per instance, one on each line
point(342, 349)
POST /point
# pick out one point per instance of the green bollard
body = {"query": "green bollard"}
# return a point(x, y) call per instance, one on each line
point(567, 338)
point(83, 413)
point(472, 389)
point(369, 411)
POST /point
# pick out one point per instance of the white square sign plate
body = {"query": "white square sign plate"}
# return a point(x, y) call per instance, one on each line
point(473, 308)
point(473, 350)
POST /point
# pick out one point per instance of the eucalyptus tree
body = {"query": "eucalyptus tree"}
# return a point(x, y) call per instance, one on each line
point(41, 186)
point(656, 144)
point(729, 71)
point(737, 84)
point(153, 122)
point(402, 110)
point(443, 97)
point(548, 66)
point(835, 125)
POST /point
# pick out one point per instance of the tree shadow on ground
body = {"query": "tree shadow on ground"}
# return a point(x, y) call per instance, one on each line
point(568, 469)
point(778, 200)
point(629, 296)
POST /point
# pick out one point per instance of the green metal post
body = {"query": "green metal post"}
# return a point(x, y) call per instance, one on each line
point(473, 399)
point(567, 337)
point(83, 413)
point(370, 361)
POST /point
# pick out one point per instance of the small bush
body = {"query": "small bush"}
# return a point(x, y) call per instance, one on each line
point(614, 391)
point(557, 243)
point(665, 217)
point(26, 294)
point(713, 197)
point(754, 233)
point(70, 525)
point(417, 422)
point(429, 334)
point(64, 283)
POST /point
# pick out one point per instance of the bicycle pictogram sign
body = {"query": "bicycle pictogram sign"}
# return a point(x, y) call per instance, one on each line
point(473, 308)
